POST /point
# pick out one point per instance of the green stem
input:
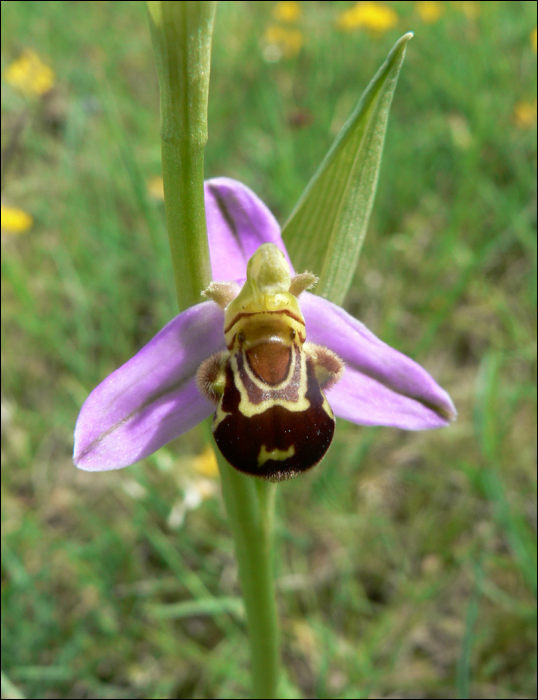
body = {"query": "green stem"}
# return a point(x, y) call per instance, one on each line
point(250, 507)
point(181, 33)
point(183, 178)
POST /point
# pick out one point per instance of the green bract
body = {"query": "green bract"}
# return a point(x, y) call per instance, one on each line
point(327, 227)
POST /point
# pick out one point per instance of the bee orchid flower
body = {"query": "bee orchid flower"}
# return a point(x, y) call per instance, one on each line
point(174, 382)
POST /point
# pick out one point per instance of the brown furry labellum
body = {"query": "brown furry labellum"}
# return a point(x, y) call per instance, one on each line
point(272, 418)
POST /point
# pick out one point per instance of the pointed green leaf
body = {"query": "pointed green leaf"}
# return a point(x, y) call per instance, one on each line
point(325, 231)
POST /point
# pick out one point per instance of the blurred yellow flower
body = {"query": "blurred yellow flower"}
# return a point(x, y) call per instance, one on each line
point(206, 463)
point(470, 9)
point(430, 12)
point(533, 39)
point(282, 41)
point(368, 15)
point(15, 220)
point(155, 187)
point(525, 114)
point(287, 11)
point(29, 74)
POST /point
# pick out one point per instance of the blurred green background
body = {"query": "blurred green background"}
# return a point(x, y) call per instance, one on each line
point(406, 561)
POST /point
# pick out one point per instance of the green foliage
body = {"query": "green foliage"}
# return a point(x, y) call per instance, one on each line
point(326, 229)
point(407, 561)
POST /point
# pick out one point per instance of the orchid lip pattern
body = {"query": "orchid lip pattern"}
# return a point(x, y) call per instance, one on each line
point(153, 398)
point(272, 418)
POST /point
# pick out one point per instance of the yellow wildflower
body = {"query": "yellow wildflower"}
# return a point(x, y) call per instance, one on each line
point(155, 187)
point(470, 9)
point(287, 11)
point(206, 463)
point(430, 12)
point(15, 220)
point(533, 39)
point(282, 41)
point(29, 74)
point(368, 15)
point(525, 114)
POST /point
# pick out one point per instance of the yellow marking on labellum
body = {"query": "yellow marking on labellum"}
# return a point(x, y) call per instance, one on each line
point(270, 396)
point(277, 455)
point(219, 416)
point(272, 418)
point(326, 407)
